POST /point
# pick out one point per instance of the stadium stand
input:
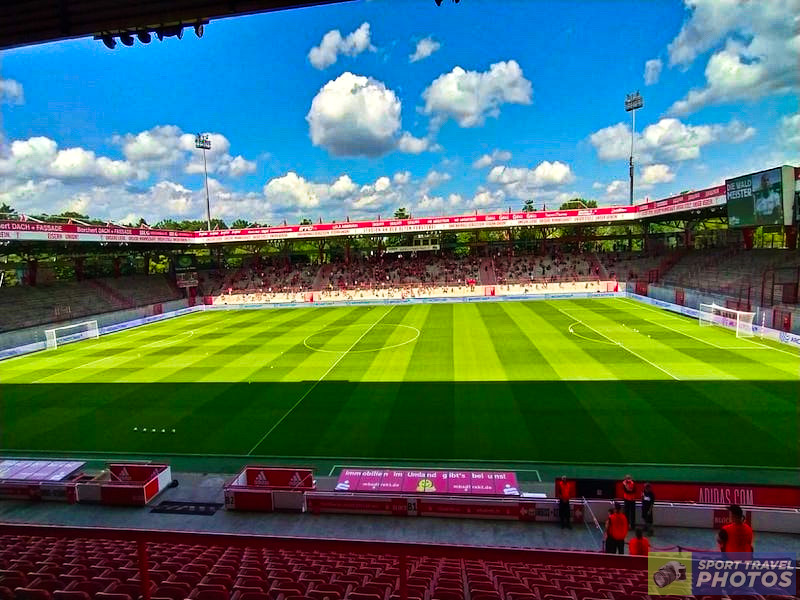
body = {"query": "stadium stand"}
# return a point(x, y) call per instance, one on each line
point(396, 270)
point(204, 568)
point(27, 306)
point(729, 272)
point(540, 269)
point(259, 276)
point(630, 265)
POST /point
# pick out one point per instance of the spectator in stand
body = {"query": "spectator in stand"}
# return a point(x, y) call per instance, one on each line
point(739, 533)
point(616, 531)
point(629, 496)
point(639, 545)
point(648, 500)
point(564, 494)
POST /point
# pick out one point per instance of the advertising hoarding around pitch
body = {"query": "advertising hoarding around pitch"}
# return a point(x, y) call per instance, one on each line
point(763, 198)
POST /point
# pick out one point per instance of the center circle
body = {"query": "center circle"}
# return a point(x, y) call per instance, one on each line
point(359, 338)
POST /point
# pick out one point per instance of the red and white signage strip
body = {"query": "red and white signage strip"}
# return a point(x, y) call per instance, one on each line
point(723, 493)
point(29, 230)
point(365, 504)
point(55, 232)
point(264, 489)
point(130, 484)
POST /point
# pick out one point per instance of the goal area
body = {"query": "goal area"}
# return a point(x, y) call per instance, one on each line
point(58, 336)
point(739, 320)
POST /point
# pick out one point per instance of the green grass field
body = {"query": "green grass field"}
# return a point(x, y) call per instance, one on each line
point(572, 381)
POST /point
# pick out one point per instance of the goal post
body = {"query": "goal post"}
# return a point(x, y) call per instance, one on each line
point(738, 320)
point(59, 336)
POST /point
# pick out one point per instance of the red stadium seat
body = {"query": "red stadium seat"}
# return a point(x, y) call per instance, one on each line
point(22, 593)
point(70, 595)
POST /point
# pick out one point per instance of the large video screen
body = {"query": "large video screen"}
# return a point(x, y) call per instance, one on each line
point(185, 262)
point(755, 199)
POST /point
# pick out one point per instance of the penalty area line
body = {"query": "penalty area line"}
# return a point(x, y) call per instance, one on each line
point(762, 346)
point(317, 382)
point(616, 343)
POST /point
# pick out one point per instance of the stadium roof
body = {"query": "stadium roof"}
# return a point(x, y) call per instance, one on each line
point(25, 22)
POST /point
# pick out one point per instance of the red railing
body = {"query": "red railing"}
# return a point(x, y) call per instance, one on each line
point(402, 550)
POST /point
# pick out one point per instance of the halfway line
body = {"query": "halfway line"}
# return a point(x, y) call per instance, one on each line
point(317, 382)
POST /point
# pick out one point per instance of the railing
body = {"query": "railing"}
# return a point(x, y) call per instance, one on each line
point(402, 550)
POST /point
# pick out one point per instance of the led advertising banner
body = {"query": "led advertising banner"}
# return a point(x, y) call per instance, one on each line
point(755, 199)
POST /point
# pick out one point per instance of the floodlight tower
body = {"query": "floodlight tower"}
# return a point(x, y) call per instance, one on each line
point(632, 102)
point(203, 142)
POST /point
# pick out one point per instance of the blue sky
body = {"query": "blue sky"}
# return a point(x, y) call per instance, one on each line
point(359, 108)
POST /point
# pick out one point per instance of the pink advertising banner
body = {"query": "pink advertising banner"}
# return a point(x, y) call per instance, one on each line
point(429, 481)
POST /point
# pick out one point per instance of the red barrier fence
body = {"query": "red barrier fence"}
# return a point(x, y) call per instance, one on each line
point(402, 550)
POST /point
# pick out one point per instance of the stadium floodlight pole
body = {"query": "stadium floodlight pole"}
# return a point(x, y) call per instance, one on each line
point(203, 142)
point(632, 102)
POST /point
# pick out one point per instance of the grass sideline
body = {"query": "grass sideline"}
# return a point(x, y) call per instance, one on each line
point(546, 385)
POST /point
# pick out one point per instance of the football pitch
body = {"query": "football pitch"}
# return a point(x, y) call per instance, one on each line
point(565, 381)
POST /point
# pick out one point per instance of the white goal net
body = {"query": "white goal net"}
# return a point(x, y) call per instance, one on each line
point(59, 336)
point(739, 320)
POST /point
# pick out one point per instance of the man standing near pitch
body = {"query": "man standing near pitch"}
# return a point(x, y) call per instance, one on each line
point(629, 496)
point(564, 494)
point(648, 500)
point(616, 531)
point(739, 534)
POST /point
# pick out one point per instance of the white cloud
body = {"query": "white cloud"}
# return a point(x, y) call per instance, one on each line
point(652, 71)
point(413, 145)
point(354, 115)
point(598, 186)
point(519, 182)
point(617, 190)
point(11, 92)
point(789, 133)
point(39, 157)
point(469, 97)
point(497, 156)
point(343, 186)
point(165, 148)
point(291, 196)
point(155, 148)
point(425, 47)
point(240, 166)
point(402, 177)
point(484, 198)
point(668, 140)
point(333, 44)
point(759, 56)
point(653, 174)
point(435, 178)
point(291, 190)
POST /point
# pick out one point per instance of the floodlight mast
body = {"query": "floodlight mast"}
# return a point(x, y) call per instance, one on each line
point(632, 102)
point(203, 142)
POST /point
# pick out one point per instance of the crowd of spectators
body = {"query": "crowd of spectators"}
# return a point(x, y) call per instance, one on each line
point(259, 275)
point(555, 267)
point(398, 270)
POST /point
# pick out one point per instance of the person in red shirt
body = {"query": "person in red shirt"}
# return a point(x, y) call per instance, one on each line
point(639, 545)
point(564, 495)
point(616, 531)
point(740, 534)
point(629, 496)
